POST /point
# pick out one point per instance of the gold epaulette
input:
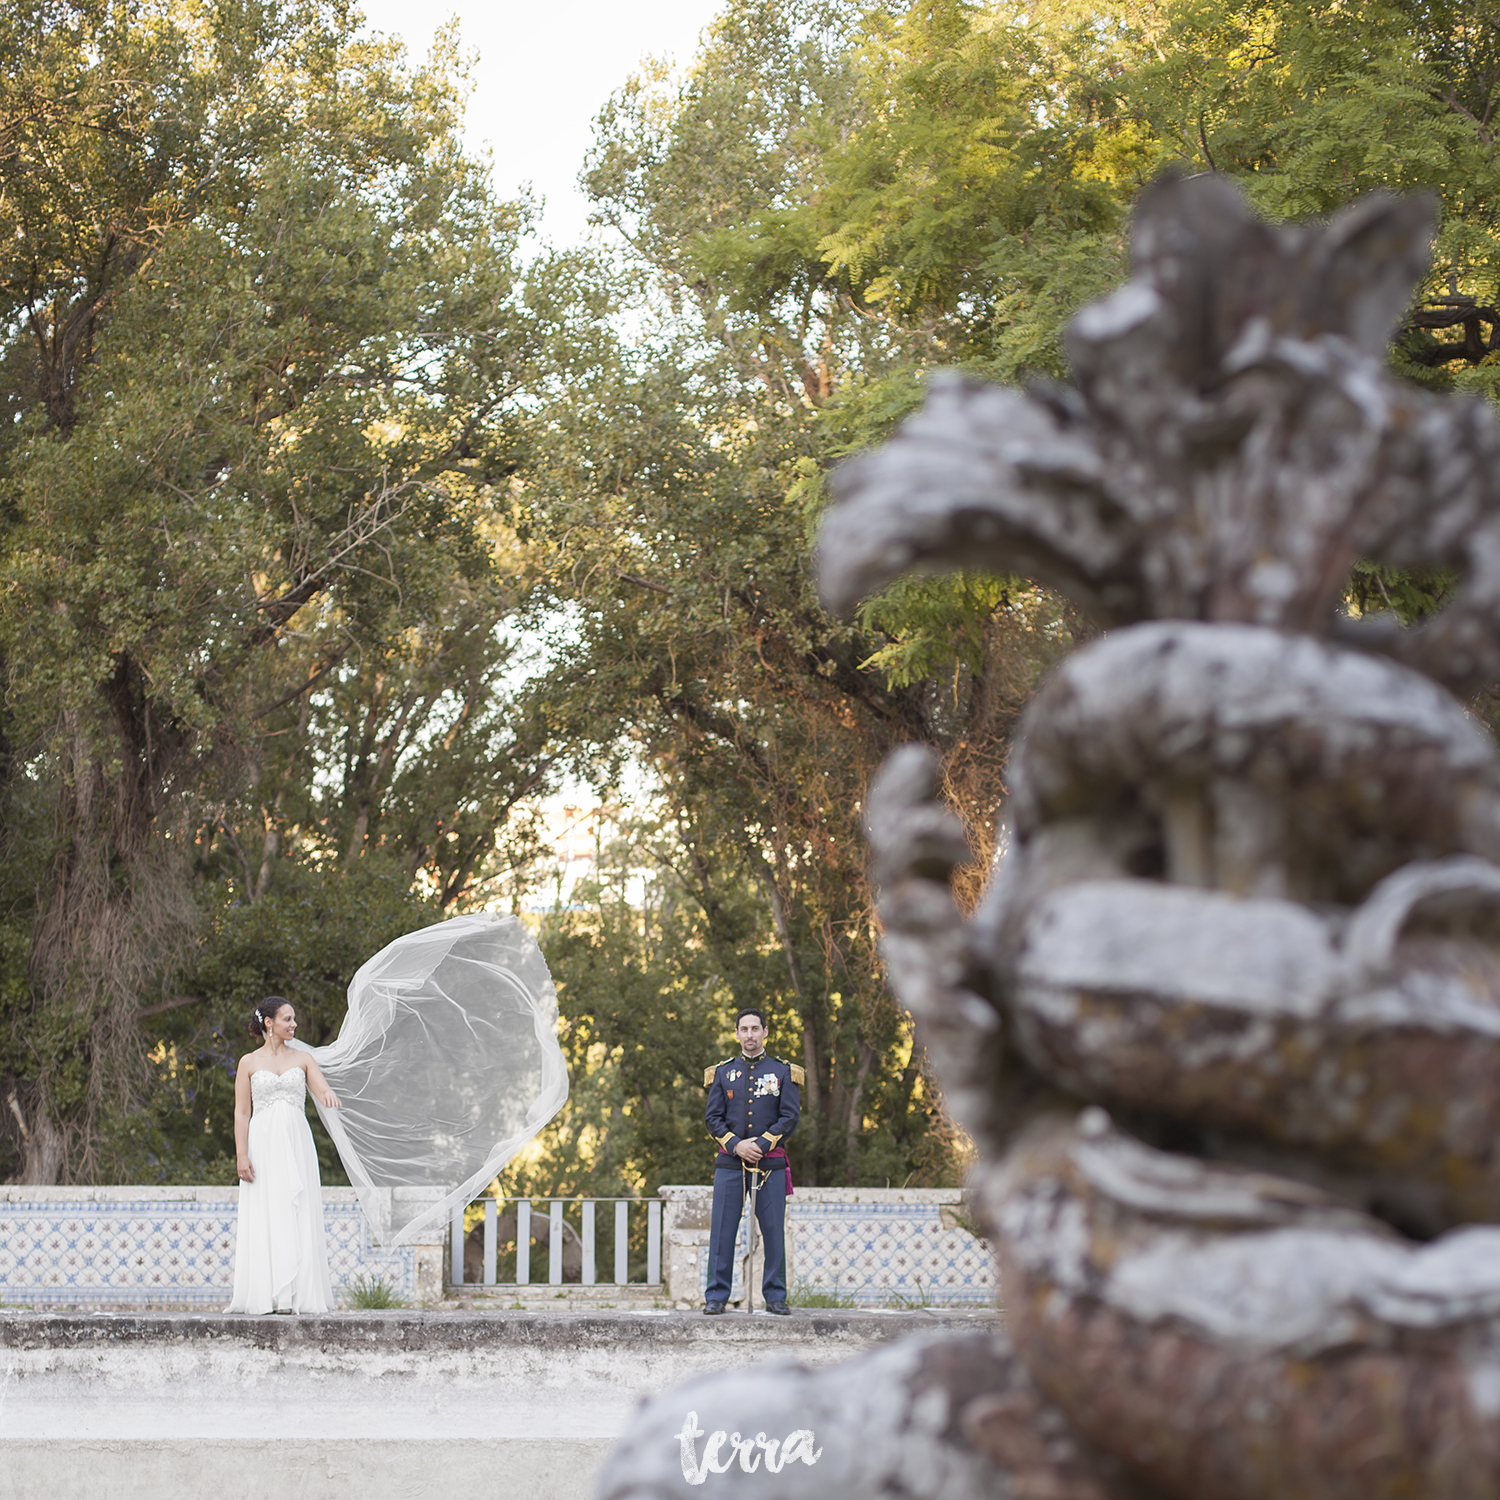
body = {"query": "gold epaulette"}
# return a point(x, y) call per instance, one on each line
point(708, 1073)
point(799, 1075)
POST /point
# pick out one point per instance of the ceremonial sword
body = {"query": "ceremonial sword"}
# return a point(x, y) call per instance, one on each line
point(756, 1173)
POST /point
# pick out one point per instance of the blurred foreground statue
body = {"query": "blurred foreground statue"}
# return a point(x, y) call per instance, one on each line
point(1226, 1027)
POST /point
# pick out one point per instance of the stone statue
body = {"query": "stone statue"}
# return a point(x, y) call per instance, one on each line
point(1226, 1026)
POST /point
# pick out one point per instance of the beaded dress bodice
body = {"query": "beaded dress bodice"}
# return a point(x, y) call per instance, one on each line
point(268, 1088)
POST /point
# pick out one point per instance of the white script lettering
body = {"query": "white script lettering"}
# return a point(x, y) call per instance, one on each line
point(691, 1432)
point(773, 1464)
point(795, 1445)
point(799, 1444)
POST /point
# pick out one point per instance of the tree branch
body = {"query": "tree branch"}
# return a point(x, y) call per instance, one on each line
point(307, 686)
point(157, 1009)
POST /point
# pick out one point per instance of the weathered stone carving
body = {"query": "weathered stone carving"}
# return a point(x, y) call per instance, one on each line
point(1226, 1026)
point(940, 1416)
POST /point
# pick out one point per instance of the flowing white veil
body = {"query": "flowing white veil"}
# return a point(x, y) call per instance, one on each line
point(446, 1065)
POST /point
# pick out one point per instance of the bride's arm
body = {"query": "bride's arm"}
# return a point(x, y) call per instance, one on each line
point(319, 1086)
point(242, 1165)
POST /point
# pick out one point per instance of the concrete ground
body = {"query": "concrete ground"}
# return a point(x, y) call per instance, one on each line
point(366, 1405)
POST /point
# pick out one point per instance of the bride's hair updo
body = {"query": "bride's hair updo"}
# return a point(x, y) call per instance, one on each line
point(264, 1012)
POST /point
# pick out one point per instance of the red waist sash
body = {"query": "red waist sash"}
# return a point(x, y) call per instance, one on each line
point(777, 1154)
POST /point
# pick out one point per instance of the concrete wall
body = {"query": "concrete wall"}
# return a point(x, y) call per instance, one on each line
point(369, 1405)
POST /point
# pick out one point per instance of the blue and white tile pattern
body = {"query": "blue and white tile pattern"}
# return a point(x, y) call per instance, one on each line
point(889, 1255)
point(879, 1254)
point(143, 1247)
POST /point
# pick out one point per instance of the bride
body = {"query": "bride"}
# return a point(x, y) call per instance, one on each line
point(447, 1062)
point(280, 1258)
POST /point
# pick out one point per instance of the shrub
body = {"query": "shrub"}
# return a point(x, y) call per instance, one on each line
point(803, 1295)
point(370, 1292)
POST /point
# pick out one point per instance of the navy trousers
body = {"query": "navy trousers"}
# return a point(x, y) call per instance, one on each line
point(730, 1187)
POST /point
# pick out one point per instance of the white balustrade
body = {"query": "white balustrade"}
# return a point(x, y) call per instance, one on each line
point(588, 1227)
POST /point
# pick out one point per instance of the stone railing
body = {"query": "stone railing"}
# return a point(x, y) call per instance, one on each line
point(497, 1251)
point(879, 1247)
point(101, 1247)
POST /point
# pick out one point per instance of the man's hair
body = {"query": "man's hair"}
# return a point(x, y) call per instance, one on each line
point(750, 1010)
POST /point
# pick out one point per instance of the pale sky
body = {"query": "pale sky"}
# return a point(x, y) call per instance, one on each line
point(544, 71)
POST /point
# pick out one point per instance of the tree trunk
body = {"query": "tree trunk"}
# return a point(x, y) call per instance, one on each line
point(41, 1145)
point(868, 1057)
point(113, 916)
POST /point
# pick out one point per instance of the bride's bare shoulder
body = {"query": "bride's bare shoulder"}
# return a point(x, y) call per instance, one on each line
point(247, 1062)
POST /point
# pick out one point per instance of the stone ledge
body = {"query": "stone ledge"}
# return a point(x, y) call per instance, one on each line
point(318, 1468)
point(468, 1330)
point(383, 1405)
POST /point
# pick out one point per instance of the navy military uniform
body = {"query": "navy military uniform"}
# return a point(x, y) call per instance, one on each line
point(750, 1098)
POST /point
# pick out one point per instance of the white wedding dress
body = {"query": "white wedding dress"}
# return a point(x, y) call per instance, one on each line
point(280, 1258)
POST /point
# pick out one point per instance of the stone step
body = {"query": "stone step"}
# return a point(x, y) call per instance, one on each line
point(545, 1297)
point(396, 1405)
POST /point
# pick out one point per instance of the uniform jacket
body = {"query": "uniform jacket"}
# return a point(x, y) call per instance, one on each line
point(755, 1097)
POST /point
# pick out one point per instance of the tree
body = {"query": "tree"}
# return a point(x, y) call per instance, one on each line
point(822, 209)
point(327, 537)
point(986, 186)
point(667, 513)
point(264, 349)
point(642, 992)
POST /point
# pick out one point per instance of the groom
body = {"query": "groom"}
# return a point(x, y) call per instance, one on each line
point(753, 1107)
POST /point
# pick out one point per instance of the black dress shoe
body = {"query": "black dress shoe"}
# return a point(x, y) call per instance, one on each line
point(779, 1308)
point(711, 1309)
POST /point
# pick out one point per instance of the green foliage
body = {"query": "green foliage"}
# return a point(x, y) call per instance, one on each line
point(985, 186)
point(803, 1295)
point(370, 1292)
point(933, 626)
point(968, 201)
point(1410, 597)
point(257, 541)
point(303, 939)
point(652, 958)
point(329, 537)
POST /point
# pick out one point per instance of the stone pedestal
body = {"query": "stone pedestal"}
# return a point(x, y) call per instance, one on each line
point(429, 1246)
point(685, 1220)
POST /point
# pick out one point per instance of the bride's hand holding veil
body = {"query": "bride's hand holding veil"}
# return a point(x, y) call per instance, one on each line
point(317, 1086)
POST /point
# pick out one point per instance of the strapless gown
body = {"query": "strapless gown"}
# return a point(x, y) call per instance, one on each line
point(280, 1257)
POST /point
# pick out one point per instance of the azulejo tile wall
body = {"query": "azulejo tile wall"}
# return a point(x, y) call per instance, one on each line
point(174, 1247)
point(160, 1247)
point(879, 1247)
point(890, 1254)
